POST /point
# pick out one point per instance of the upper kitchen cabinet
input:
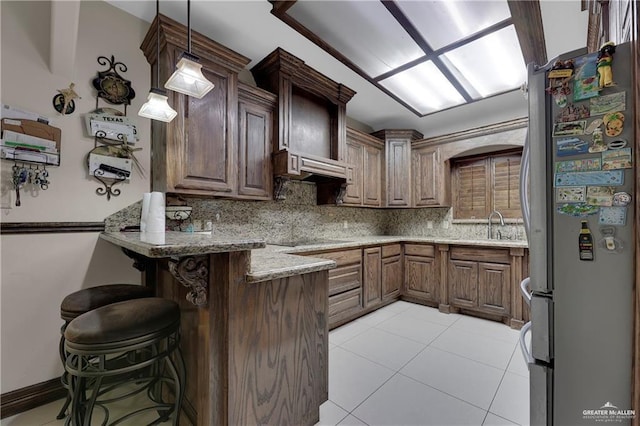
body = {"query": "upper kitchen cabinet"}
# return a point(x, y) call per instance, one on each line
point(365, 156)
point(429, 177)
point(310, 131)
point(256, 108)
point(397, 174)
point(197, 152)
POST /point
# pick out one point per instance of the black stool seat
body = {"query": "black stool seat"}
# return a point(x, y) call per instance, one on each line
point(122, 321)
point(87, 299)
point(122, 349)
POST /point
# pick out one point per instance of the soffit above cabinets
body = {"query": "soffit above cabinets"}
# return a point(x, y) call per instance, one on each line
point(428, 55)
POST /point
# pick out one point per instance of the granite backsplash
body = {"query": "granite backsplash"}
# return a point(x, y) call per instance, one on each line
point(298, 217)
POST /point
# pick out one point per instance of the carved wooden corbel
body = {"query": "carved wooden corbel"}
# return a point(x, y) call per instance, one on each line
point(193, 273)
point(340, 193)
point(139, 261)
point(281, 187)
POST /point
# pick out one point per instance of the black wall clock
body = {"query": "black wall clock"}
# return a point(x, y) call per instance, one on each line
point(111, 86)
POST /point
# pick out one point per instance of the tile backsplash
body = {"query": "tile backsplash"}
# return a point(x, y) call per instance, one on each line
point(298, 217)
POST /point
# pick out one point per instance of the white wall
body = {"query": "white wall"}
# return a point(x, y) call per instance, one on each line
point(39, 270)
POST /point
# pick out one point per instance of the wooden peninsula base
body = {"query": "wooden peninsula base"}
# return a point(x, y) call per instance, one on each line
point(255, 342)
point(256, 353)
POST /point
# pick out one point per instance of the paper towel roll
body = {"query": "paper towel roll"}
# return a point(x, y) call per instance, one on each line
point(152, 237)
point(156, 217)
point(144, 215)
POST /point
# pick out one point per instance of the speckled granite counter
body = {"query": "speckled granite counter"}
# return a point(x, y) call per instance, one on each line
point(383, 239)
point(179, 243)
point(279, 261)
point(271, 263)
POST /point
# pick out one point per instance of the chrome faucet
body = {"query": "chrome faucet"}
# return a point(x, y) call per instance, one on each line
point(489, 233)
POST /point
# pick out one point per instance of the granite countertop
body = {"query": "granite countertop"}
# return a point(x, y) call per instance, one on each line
point(280, 261)
point(179, 243)
point(384, 239)
point(271, 261)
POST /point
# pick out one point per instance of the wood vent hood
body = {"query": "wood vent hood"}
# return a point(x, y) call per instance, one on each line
point(311, 121)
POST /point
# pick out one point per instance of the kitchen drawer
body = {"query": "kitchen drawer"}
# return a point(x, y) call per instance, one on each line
point(480, 254)
point(391, 250)
point(419, 250)
point(344, 278)
point(344, 302)
point(346, 257)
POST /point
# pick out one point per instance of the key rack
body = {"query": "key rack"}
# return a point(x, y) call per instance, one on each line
point(31, 146)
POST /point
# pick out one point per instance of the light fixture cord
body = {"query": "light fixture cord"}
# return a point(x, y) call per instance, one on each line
point(158, 43)
point(189, 25)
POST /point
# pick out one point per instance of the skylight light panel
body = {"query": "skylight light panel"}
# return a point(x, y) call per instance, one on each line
point(444, 22)
point(492, 64)
point(363, 31)
point(424, 88)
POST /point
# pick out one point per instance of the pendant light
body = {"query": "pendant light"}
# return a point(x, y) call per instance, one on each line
point(188, 78)
point(157, 107)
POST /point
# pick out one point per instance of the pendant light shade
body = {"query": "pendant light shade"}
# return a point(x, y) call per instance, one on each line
point(188, 78)
point(157, 107)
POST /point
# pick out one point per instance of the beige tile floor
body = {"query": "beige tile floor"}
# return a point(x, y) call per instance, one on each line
point(407, 364)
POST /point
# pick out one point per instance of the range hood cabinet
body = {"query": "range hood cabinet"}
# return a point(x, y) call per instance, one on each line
point(310, 131)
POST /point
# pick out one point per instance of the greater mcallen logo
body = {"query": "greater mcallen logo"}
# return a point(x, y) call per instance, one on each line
point(608, 413)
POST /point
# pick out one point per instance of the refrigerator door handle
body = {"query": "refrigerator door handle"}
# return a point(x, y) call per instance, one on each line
point(524, 289)
point(524, 182)
point(526, 353)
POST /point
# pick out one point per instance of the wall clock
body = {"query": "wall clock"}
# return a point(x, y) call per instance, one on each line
point(111, 86)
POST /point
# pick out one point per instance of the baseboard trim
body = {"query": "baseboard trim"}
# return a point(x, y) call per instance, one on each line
point(20, 400)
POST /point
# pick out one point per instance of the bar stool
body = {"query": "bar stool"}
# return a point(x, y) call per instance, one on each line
point(120, 350)
point(85, 300)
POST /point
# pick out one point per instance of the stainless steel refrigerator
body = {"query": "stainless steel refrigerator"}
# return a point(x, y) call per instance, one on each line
point(580, 296)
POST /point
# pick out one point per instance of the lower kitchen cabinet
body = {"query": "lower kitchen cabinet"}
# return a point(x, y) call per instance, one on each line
point(372, 276)
point(421, 273)
point(480, 280)
point(382, 274)
point(346, 299)
point(391, 271)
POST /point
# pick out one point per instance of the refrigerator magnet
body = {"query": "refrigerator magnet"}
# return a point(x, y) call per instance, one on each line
point(571, 194)
point(613, 123)
point(600, 195)
point(617, 159)
point(573, 112)
point(608, 103)
point(613, 216)
point(577, 209)
point(571, 146)
point(593, 126)
point(617, 144)
point(621, 199)
point(610, 177)
point(588, 164)
point(571, 128)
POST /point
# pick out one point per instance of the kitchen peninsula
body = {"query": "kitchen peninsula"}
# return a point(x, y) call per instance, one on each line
point(255, 344)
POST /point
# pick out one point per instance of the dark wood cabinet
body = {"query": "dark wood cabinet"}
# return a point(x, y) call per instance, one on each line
point(391, 271)
point(372, 276)
point(480, 280)
point(429, 177)
point(346, 298)
point(397, 166)
point(197, 152)
point(255, 131)
point(364, 155)
point(421, 273)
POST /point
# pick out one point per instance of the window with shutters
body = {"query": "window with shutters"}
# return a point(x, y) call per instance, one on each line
point(481, 184)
